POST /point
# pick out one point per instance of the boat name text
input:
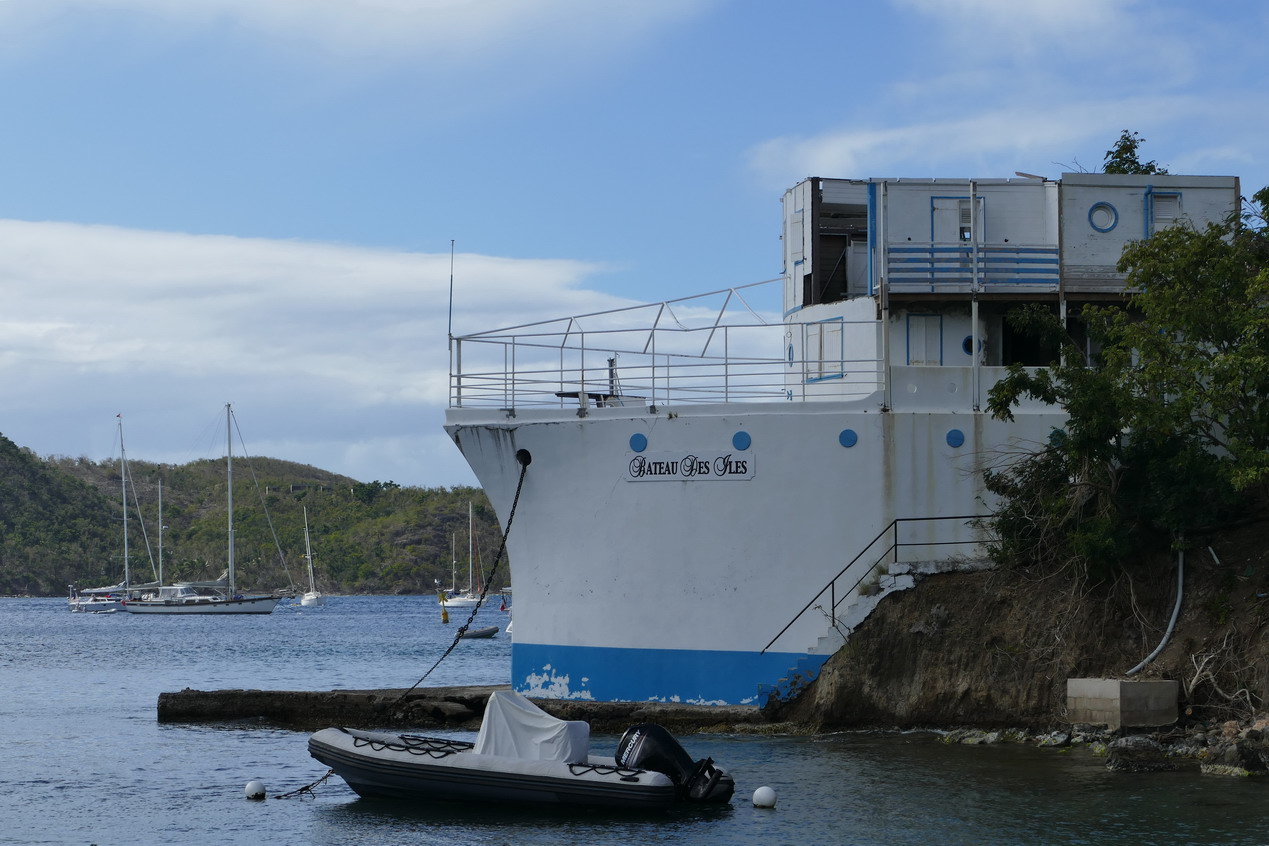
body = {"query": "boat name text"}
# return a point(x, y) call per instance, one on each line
point(667, 467)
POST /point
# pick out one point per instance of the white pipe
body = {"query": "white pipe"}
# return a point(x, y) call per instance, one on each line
point(1176, 612)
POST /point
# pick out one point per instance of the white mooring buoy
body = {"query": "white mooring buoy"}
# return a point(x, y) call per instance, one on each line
point(255, 790)
point(764, 797)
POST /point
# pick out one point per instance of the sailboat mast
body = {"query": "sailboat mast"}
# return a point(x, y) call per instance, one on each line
point(161, 528)
point(308, 555)
point(469, 557)
point(123, 484)
point(229, 476)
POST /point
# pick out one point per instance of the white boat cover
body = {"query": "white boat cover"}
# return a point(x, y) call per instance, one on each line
point(514, 727)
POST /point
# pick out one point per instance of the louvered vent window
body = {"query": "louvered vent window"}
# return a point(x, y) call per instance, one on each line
point(1167, 208)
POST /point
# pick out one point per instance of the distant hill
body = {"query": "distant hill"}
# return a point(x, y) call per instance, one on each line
point(54, 527)
point(61, 522)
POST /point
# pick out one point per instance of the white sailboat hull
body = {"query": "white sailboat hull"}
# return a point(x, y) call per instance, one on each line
point(207, 605)
point(93, 605)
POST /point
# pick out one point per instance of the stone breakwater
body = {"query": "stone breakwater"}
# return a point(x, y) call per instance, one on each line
point(460, 707)
point(1229, 748)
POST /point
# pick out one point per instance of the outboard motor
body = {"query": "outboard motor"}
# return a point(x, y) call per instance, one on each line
point(650, 747)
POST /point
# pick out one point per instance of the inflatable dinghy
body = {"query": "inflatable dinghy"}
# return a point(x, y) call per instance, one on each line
point(523, 755)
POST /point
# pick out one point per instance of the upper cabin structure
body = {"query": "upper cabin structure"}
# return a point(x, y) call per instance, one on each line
point(935, 264)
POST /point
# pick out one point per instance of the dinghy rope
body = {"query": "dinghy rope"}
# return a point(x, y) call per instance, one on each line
point(432, 747)
point(524, 458)
point(308, 788)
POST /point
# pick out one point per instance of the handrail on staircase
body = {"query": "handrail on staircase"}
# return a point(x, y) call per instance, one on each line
point(831, 587)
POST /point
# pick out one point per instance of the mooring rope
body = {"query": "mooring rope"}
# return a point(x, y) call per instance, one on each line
point(308, 788)
point(524, 458)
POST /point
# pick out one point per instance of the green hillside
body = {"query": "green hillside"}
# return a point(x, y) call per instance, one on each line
point(61, 522)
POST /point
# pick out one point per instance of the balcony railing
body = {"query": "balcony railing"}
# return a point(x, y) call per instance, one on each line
point(960, 268)
point(713, 347)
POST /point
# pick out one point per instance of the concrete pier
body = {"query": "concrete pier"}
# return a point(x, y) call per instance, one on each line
point(429, 707)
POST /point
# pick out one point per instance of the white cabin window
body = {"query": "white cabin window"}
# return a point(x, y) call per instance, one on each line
point(925, 340)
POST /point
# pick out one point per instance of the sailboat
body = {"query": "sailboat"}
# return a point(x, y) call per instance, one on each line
point(471, 596)
point(312, 596)
point(217, 597)
point(108, 599)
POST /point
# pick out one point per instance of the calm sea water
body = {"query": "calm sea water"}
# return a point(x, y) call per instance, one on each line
point(84, 760)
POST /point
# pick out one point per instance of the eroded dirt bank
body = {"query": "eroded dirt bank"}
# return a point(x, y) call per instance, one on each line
point(995, 648)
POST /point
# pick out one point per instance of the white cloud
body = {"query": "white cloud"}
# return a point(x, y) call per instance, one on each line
point(1081, 28)
point(430, 30)
point(339, 352)
point(984, 144)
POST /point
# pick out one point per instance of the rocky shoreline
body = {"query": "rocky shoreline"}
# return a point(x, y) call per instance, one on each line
point(1230, 748)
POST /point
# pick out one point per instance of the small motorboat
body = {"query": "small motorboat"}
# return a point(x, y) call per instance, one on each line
point(523, 755)
point(484, 631)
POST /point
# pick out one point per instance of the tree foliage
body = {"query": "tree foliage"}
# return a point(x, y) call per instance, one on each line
point(1124, 156)
point(53, 527)
point(1168, 424)
point(60, 523)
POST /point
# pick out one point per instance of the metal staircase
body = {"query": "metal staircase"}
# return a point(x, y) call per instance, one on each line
point(889, 562)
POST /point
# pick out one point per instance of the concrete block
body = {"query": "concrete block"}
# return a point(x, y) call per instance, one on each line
point(1120, 703)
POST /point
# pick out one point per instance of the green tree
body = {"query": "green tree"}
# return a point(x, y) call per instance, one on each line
point(1124, 158)
point(1168, 426)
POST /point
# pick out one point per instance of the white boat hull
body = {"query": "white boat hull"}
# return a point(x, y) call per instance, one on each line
point(673, 590)
point(95, 606)
point(311, 599)
point(210, 605)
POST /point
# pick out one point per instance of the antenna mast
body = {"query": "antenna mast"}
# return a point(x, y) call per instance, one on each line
point(450, 328)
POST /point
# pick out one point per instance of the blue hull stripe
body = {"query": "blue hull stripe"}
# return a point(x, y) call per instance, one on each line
point(607, 674)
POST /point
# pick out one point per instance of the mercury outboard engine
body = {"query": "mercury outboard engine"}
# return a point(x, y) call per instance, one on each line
point(650, 747)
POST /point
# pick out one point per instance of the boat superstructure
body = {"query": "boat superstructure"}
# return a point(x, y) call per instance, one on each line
point(722, 487)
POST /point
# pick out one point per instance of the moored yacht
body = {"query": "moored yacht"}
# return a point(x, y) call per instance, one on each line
point(219, 597)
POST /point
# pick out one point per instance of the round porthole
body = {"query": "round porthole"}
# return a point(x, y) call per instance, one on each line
point(638, 442)
point(1103, 217)
point(848, 438)
point(741, 441)
point(955, 438)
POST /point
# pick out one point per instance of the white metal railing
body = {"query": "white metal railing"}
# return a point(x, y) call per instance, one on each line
point(713, 347)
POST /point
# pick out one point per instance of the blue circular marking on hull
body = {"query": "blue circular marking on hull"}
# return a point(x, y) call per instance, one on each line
point(638, 442)
point(955, 438)
point(741, 440)
point(848, 438)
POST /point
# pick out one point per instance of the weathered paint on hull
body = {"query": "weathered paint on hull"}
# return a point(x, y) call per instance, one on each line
point(669, 590)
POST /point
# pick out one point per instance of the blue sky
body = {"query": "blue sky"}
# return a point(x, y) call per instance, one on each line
point(252, 201)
